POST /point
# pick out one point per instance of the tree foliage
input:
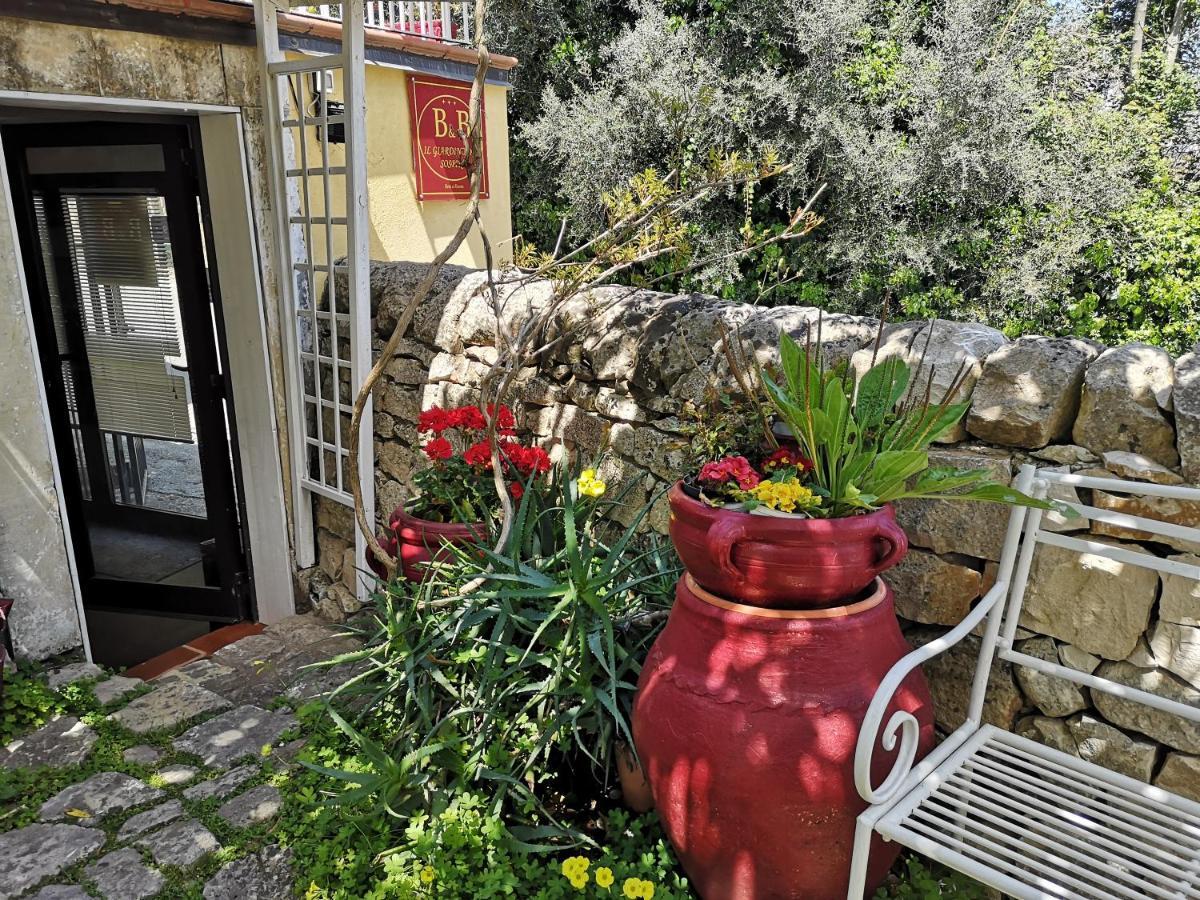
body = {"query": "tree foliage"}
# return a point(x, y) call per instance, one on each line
point(986, 159)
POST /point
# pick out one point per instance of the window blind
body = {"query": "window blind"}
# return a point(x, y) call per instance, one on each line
point(129, 308)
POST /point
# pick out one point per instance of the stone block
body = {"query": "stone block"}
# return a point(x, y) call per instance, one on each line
point(937, 350)
point(1163, 727)
point(1098, 742)
point(1028, 392)
point(1094, 603)
point(1125, 393)
point(1161, 509)
point(1180, 773)
point(1054, 696)
point(957, 526)
point(1176, 648)
point(1187, 413)
point(1135, 467)
point(1180, 599)
point(934, 590)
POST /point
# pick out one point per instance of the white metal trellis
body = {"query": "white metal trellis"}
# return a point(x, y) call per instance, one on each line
point(325, 277)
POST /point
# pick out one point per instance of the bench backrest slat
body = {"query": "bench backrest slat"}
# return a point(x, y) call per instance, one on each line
point(1026, 535)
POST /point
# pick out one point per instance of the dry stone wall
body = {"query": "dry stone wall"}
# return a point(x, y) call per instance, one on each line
point(636, 359)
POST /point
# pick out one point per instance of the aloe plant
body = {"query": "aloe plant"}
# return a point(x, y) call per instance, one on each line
point(868, 437)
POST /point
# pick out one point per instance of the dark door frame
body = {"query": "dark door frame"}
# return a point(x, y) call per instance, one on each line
point(181, 186)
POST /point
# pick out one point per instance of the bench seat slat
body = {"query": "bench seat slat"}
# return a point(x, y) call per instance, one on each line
point(1076, 835)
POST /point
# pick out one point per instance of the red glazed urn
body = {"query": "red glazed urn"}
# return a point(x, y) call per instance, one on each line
point(415, 542)
point(746, 721)
point(783, 562)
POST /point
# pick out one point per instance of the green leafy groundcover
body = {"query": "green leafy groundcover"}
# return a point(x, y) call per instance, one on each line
point(463, 851)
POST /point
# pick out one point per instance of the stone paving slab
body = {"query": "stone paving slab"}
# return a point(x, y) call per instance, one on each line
point(63, 741)
point(102, 794)
point(204, 672)
point(177, 775)
point(183, 843)
point(222, 786)
point(61, 892)
point(123, 876)
point(168, 706)
point(113, 689)
point(37, 852)
point(142, 754)
point(72, 673)
point(256, 805)
point(266, 875)
point(256, 652)
point(226, 738)
point(151, 818)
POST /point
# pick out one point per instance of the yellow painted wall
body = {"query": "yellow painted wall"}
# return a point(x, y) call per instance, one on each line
point(403, 228)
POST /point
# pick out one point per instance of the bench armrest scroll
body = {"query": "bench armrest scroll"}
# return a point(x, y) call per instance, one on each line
point(902, 727)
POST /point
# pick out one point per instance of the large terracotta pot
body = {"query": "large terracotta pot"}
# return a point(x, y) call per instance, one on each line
point(783, 562)
point(415, 542)
point(746, 721)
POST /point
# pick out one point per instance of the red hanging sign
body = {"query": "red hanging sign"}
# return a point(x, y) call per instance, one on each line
point(439, 110)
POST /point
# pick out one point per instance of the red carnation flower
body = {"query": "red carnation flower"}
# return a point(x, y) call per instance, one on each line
point(527, 460)
point(467, 417)
point(438, 448)
point(479, 455)
point(435, 419)
point(517, 490)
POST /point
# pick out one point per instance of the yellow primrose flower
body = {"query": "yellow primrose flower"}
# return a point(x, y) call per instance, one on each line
point(580, 881)
point(632, 888)
point(647, 890)
point(575, 867)
point(787, 496)
point(604, 877)
point(590, 485)
point(427, 875)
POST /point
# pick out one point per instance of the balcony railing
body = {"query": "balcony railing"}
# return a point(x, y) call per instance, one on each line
point(439, 20)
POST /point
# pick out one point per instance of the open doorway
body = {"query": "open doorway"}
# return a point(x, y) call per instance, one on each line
point(111, 218)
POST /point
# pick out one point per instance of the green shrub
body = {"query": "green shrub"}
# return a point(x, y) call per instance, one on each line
point(521, 688)
point(28, 703)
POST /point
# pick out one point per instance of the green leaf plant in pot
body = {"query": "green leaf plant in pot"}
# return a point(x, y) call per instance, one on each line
point(809, 522)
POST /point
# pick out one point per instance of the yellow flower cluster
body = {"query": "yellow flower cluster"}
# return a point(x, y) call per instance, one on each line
point(575, 869)
point(787, 496)
point(590, 485)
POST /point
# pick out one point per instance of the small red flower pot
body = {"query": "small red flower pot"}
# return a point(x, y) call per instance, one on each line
point(415, 542)
point(783, 562)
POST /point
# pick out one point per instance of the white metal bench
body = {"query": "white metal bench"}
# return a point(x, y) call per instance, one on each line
point(1023, 818)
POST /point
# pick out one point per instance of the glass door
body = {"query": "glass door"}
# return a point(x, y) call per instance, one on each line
point(127, 325)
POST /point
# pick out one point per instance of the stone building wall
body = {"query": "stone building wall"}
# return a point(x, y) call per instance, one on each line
point(637, 358)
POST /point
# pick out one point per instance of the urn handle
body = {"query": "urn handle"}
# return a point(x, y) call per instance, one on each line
point(893, 535)
point(723, 536)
